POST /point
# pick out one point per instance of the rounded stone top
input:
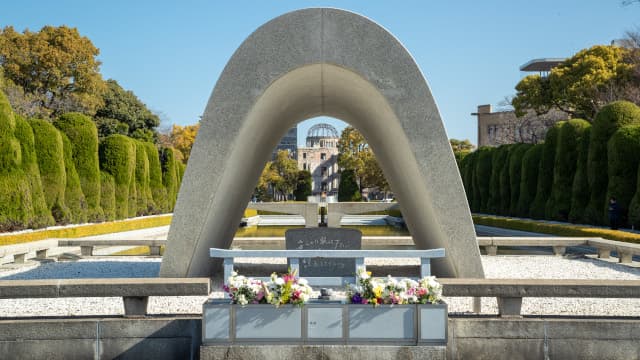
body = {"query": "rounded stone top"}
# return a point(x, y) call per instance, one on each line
point(322, 131)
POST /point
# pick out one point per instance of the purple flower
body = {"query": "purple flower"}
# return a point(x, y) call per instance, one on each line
point(356, 298)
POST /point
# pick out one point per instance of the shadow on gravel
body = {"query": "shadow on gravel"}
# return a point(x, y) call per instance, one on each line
point(89, 269)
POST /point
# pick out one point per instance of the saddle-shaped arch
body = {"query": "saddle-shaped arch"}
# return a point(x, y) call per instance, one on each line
point(304, 64)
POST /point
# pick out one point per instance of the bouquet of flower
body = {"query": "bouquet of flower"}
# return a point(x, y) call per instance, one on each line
point(288, 289)
point(368, 290)
point(244, 290)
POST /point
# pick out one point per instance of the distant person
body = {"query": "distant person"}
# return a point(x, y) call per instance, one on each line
point(614, 213)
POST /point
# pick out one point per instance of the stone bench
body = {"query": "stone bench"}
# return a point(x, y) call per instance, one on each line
point(510, 292)
point(135, 292)
point(559, 244)
point(19, 251)
point(625, 250)
point(425, 257)
point(87, 245)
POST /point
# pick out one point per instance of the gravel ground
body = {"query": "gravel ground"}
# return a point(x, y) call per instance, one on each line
point(541, 267)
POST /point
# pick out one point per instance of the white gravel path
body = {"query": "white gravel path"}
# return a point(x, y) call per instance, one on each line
point(541, 267)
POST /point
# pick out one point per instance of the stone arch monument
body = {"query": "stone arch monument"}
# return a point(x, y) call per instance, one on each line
point(304, 64)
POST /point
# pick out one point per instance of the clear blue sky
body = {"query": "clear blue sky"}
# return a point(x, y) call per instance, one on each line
point(170, 53)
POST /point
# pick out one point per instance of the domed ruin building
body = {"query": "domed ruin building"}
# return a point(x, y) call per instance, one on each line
point(320, 158)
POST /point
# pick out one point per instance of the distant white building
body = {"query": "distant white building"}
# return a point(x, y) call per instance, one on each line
point(320, 158)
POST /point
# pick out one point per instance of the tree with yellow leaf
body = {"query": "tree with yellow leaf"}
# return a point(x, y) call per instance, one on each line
point(182, 139)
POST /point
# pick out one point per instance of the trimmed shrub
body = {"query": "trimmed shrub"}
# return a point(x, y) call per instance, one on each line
point(470, 186)
point(465, 174)
point(16, 205)
point(623, 154)
point(348, 189)
point(569, 138)
point(529, 179)
point(515, 175)
point(545, 172)
point(108, 195)
point(83, 135)
point(580, 190)
point(634, 206)
point(73, 196)
point(609, 119)
point(157, 202)
point(50, 155)
point(505, 184)
point(482, 176)
point(143, 192)
point(41, 214)
point(498, 158)
point(169, 176)
point(118, 158)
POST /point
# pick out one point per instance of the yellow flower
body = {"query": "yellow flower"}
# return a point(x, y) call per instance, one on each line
point(377, 291)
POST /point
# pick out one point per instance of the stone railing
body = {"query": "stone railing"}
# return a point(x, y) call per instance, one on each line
point(510, 292)
point(87, 245)
point(135, 292)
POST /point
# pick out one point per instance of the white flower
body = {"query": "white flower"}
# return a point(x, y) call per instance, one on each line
point(303, 282)
point(279, 281)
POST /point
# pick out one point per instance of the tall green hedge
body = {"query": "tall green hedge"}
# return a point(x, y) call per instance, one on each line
point(157, 202)
point(73, 196)
point(83, 135)
point(474, 197)
point(465, 174)
point(498, 159)
point(529, 179)
point(609, 119)
point(118, 158)
point(515, 175)
point(169, 176)
point(16, 204)
point(545, 173)
point(50, 155)
point(483, 176)
point(143, 191)
point(580, 190)
point(41, 214)
point(505, 183)
point(569, 138)
point(634, 206)
point(623, 154)
point(108, 195)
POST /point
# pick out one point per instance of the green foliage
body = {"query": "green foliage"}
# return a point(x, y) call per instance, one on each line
point(142, 180)
point(545, 173)
point(50, 155)
point(473, 194)
point(169, 176)
point(624, 157)
point(580, 190)
point(515, 175)
point(123, 113)
point(529, 179)
point(570, 136)
point(355, 154)
point(118, 158)
point(55, 68)
point(73, 196)
point(482, 177)
point(157, 202)
point(286, 173)
point(303, 187)
point(108, 195)
point(41, 214)
point(499, 158)
point(461, 148)
point(505, 183)
point(83, 135)
point(609, 119)
point(16, 205)
point(578, 85)
point(348, 189)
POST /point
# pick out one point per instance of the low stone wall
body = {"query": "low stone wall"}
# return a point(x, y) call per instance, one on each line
point(470, 337)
